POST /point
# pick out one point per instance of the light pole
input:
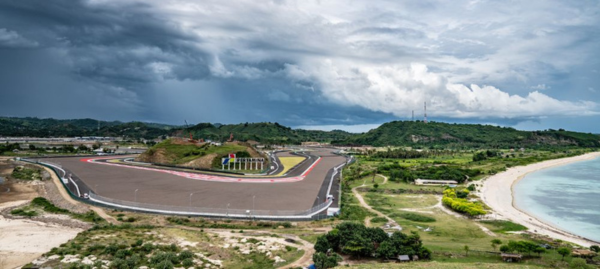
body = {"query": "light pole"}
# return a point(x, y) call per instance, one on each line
point(318, 199)
point(191, 199)
point(135, 193)
point(228, 209)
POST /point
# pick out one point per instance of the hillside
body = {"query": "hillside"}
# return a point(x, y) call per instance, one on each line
point(35, 127)
point(409, 133)
point(264, 132)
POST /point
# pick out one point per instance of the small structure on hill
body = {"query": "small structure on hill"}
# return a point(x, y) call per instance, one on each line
point(403, 258)
point(583, 253)
point(511, 257)
point(434, 182)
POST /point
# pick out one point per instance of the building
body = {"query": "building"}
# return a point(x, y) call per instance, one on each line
point(511, 257)
point(403, 258)
point(420, 181)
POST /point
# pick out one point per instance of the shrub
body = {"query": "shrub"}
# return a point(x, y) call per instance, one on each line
point(461, 205)
point(186, 255)
point(379, 220)
point(24, 213)
point(187, 263)
point(414, 217)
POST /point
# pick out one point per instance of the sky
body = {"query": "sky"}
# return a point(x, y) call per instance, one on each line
point(349, 65)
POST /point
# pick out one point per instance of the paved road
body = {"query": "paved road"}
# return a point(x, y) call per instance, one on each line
point(166, 189)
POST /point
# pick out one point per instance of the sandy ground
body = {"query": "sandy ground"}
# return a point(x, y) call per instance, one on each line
point(497, 194)
point(21, 241)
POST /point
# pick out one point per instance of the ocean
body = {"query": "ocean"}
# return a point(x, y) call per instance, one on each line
point(566, 197)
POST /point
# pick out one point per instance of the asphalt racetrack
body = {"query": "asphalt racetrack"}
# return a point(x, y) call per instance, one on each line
point(164, 188)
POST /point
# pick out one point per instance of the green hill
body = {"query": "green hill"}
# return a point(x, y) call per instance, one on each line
point(35, 127)
point(264, 132)
point(416, 134)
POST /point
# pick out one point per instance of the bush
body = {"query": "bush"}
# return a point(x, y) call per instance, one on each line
point(579, 263)
point(187, 263)
point(379, 220)
point(414, 217)
point(502, 226)
point(24, 213)
point(461, 205)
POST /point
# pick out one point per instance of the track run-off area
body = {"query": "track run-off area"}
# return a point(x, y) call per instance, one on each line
point(300, 192)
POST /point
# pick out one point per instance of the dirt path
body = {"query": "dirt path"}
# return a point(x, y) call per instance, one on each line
point(364, 204)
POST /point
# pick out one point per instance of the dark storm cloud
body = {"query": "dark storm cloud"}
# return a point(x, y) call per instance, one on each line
point(123, 45)
point(299, 63)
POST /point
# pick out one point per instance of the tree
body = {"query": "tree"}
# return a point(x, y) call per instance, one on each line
point(539, 250)
point(31, 146)
point(386, 250)
point(322, 244)
point(563, 252)
point(466, 250)
point(82, 147)
point(323, 261)
point(504, 248)
point(96, 145)
point(496, 243)
point(595, 248)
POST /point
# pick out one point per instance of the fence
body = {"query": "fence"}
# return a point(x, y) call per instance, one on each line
point(310, 214)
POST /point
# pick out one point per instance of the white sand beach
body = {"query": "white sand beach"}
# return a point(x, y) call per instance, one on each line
point(497, 193)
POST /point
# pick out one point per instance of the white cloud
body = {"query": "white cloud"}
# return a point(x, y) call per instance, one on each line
point(12, 39)
point(540, 87)
point(400, 89)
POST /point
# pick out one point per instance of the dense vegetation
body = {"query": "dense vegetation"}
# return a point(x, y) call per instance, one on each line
point(359, 241)
point(396, 133)
point(444, 135)
point(8, 147)
point(26, 173)
point(35, 127)
point(264, 132)
point(457, 202)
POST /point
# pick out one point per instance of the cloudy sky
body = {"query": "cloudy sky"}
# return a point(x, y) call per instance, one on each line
point(314, 64)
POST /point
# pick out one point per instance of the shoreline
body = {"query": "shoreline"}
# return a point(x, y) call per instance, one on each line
point(498, 188)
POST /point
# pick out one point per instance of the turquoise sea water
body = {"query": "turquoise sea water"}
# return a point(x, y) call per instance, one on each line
point(567, 197)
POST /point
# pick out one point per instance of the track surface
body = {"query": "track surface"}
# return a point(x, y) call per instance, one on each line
point(167, 189)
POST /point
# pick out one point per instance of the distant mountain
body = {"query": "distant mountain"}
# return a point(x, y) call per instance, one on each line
point(410, 133)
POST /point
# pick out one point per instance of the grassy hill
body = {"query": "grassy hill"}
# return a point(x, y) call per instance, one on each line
point(182, 152)
point(409, 133)
point(264, 132)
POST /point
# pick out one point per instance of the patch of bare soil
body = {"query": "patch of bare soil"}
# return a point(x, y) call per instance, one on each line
point(202, 162)
point(16, 192)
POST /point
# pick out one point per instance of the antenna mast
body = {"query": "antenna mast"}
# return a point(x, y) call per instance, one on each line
point(425, 112)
